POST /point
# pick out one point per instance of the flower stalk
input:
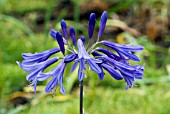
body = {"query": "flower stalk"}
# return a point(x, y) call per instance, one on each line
point(81, 97)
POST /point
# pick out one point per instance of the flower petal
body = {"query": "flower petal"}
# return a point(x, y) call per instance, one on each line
point(38, 57)
point(82, 51)
point(123, 47)
point(94, 66)
point(112, 72)
point(74, 66)
point(109, 53)
point(101, 75)
point(70, 58)
point(81, 70)
point(51, 85)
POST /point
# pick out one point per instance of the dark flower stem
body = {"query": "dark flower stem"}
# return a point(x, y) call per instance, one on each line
point(81, 97)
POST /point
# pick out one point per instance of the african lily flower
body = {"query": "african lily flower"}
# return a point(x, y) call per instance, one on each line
point(98, 59)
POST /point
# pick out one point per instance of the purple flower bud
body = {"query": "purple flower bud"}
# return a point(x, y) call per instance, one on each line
point(73, 36)
point(92, 21)
point(102, 23)
point(64, 28)
point(83, 39)
point(53, 35)
point(60, 42)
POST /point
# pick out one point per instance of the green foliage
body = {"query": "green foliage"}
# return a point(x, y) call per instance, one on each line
point(12, 78)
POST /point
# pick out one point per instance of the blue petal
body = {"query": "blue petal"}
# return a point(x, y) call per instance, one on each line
point(32, 56)
point(38, 57)
point(103, 21)
point(92, 21)
point(109, 53)
point(81, 70)
point(112, 72)
point(121, 50)
point(70, 58)
point(94, 66)
point(74, 66)
point(123, 47)
point(128, 72)
point(42, 76)
point(82, 51)
point(73, 35)
point(51, 85)
point(32, 67)
point(101, 75)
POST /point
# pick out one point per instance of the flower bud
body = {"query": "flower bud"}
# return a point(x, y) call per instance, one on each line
point(92, 21)
point(64, 28)
point(103, 21)
point(72, 35)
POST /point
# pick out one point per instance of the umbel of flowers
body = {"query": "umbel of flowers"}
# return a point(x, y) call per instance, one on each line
point(97, 58)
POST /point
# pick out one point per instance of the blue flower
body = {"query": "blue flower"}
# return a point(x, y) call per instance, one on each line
point(99, 59)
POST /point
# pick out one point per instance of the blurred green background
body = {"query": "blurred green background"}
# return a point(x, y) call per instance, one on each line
point(25, 25)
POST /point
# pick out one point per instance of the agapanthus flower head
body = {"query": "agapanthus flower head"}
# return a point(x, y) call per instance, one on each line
point(98, 59)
